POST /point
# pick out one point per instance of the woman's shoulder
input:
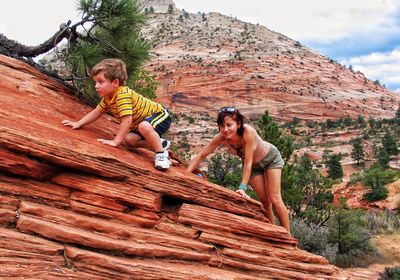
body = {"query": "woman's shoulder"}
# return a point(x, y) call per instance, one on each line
point(219, 138)
point(249, 130)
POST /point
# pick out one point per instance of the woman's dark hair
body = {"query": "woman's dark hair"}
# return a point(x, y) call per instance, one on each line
point(235, 114)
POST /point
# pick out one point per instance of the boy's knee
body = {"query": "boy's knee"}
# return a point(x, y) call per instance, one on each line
point(145, 127)
point(128, 137)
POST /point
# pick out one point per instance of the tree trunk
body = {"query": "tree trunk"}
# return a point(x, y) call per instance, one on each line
point(13, 48)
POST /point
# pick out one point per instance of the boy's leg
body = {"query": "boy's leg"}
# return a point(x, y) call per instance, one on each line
point(151, 128)
point(132, 138)
point(165, 144)
point(161, 160)
point(151, 136)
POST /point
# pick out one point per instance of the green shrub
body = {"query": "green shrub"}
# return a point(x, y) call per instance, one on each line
point(348, 230)
point(378, 175)
point(391, 273)
point(377, 193)
point(189, 119)
point(313, 238)
point(383, 158)
point(375, 178)
point(382, 222)
point(354, 178)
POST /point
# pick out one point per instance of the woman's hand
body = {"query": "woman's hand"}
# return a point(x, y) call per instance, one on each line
point(242, 193)
point(199, 173)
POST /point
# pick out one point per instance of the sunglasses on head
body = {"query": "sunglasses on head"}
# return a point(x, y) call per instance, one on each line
point(227, 109)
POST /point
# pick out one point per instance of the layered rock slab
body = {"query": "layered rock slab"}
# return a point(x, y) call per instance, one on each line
point(74, 208)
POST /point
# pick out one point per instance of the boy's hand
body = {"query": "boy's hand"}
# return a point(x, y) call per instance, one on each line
point(74, 125)
point(108, 142)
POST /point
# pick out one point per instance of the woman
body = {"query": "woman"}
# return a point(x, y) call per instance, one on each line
point(262, 162)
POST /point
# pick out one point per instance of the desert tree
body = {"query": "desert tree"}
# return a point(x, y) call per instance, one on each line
point(348, 230)
point(383, 158)
point(335, 170)
point(389, 144)
point(107, 28)
point(357, 152)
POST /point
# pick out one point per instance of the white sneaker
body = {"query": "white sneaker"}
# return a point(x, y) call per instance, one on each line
point(162, 162)
point(165, 144)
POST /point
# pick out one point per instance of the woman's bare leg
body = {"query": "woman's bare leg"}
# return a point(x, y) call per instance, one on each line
point(273, 185)
point(258, 182)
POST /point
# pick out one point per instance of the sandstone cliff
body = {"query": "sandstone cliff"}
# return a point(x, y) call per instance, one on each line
point(71, 207)
point(204, 61)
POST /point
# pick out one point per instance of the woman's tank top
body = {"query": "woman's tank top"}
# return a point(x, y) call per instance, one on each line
point(261, 150)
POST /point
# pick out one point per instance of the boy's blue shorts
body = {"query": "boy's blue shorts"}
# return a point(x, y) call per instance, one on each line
point(160, 121)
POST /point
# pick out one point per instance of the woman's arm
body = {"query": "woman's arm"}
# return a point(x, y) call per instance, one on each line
point(215, 142)
point(249, 148)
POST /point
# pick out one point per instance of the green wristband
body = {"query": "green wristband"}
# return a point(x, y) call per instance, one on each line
point(242, 187)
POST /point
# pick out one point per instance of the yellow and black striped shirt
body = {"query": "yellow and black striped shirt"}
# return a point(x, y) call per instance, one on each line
point(127, 102)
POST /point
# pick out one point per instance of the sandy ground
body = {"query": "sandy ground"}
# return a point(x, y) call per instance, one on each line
point(389, 247)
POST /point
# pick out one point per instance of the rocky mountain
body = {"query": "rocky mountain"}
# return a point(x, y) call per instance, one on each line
point(205, 61)
point(71, 207)
point(158, 6)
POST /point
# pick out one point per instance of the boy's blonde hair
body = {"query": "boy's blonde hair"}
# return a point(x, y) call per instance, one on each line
point(113, 68)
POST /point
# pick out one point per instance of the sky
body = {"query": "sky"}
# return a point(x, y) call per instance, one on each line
point(362, 33)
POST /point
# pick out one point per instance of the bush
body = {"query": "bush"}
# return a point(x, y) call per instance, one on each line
point(377, 175)
point(375, 178)
point(391, 273)
point(382, 222)
point(313, 239)
point(354, 178)
point(377, 193)
point(348, 229)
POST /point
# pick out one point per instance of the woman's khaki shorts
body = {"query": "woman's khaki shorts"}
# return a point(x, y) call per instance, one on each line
point(273, 159)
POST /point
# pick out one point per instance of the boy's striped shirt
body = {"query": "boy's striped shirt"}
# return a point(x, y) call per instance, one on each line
point(127, 102)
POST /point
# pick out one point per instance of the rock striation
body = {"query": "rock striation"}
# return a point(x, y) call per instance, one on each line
point(204, 61)
point(71, 207)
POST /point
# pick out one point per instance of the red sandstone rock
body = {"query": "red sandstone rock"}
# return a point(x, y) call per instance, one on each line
point(119, 216)
point(25, 167)
point(354, 196)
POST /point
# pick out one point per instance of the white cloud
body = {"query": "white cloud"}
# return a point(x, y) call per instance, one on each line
point(3, 28)
point(33, 22)
point(338, 29)
point(382, 66)
point(326, 24)
point(306, 20)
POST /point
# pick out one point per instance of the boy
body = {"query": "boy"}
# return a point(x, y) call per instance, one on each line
point(139, 117)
